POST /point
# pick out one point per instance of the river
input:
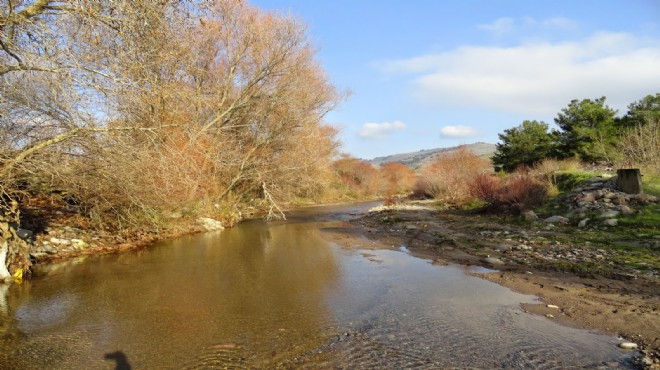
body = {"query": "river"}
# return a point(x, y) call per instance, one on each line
point(281, 294)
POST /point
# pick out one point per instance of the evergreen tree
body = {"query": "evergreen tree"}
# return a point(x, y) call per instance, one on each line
point(525, 145)
point(641, 112)
point(587, 130)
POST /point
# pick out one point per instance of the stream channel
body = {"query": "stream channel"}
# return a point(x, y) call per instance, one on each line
point(280, 295)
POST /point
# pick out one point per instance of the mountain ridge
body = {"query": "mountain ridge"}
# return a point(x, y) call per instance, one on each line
point(418, 158)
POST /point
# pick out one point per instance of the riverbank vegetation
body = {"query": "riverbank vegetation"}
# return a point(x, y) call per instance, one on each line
point(137, 118)
point(139, 113)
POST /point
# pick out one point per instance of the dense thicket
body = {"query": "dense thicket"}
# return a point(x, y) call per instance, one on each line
point(139, 110)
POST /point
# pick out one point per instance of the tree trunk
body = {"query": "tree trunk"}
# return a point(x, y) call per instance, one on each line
point(14, 252)
point(4, 272)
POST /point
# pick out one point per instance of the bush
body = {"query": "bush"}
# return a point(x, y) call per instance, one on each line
point(640, 147)
point(447, 178)
point(515, 192)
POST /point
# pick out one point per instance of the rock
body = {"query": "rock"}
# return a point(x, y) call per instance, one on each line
point(609, 214)
point(38, 255)
point(587, 198)
point(530, 216)
point(550, 316)
point(523, 247)
point(627, 210)
point(58, 241)
point(647, 198)
point(79, 244)
point(48, 249)
point(628, 345)
point(552, 306)
point(611, 222)
point(609, 195)
point(210, 224)
point(646, 361)
point(583, 222)
point(493, 261)
point(556, 219)
point(25, 234)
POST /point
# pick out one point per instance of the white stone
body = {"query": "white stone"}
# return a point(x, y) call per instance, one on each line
point(210, 224)
point(79, 244)
point(611, 222)
point(59, 241)
point(628, 345)
point(553, 306)
point(493, 261)
point(4, 273)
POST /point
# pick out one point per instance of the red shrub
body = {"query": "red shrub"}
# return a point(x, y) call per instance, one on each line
point(516, 192)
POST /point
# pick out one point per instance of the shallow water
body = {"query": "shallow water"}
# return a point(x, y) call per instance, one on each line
point(279, 295)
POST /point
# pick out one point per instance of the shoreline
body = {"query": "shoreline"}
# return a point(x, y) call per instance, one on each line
point(628, 307)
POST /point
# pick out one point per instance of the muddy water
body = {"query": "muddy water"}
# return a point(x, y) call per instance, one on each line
point(279, 295)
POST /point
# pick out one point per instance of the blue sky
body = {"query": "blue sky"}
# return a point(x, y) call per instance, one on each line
point(425, 74)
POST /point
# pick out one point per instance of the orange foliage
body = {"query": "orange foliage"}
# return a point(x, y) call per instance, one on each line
point(397, 178)
point(448, 177)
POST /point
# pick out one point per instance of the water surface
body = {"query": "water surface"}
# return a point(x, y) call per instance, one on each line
point(279, 295)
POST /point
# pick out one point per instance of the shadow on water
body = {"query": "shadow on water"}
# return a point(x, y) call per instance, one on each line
point(120, 359)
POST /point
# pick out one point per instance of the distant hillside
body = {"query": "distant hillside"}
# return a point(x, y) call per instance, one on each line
point(416, 159)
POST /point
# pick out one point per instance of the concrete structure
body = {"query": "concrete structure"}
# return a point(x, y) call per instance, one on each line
point(629, 181)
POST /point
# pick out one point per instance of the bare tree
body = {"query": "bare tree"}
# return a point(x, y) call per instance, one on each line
point(140, 108)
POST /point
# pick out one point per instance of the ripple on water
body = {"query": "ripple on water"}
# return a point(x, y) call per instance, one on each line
point(280, 295)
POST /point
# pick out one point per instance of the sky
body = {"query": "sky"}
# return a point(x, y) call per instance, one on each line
point(424, 74)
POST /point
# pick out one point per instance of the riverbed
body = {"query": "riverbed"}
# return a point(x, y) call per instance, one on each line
point(283, 294)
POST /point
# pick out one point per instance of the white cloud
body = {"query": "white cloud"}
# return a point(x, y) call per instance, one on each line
point(459, 131)
point(380, 130)
point(539, 78)
point(500, 26)
point(507, 26)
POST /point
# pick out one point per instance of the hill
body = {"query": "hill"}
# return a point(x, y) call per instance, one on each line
point(416, 159)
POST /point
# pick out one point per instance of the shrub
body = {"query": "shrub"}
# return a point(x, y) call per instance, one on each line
point(514, 192)
point(486, 187)
point(447, 178)
point(640, 146)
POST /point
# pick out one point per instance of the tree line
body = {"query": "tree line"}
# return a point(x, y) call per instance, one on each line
point(590, 131)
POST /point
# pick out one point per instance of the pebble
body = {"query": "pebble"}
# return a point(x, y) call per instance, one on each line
point(59, 241)
point(609, 214)
point(553, 306)
point(555, 219)
point(628, 345)
point(493, 261)
point(611, 222)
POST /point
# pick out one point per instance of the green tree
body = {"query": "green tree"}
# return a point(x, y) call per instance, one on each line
point(588, 131)
point(642, 111)
point(525, 145)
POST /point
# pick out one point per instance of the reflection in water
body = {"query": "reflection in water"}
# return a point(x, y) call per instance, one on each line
point(121, 361)
point(265, 295)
